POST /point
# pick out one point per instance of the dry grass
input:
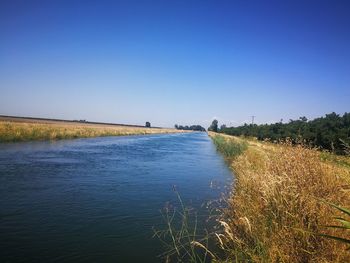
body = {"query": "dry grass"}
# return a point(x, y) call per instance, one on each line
point(29, 131)
point(275, 212)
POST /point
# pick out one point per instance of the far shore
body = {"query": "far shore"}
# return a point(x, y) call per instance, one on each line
point(16, 129)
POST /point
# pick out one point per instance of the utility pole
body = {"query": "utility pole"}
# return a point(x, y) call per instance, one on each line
point(253, 119)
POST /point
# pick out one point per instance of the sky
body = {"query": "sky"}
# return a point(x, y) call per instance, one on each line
point(175, 62)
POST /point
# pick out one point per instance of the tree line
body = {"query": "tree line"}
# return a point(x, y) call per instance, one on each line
point(190, 128)
point(330, 132)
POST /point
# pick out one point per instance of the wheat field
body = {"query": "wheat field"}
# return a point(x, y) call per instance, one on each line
point(30, 131)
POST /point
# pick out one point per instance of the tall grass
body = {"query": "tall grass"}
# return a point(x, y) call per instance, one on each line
point(274, 213)
point(183, 239)
point(229, 150)
point(22, 131)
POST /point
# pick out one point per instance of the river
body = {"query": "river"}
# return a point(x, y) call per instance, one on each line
point(98, 199)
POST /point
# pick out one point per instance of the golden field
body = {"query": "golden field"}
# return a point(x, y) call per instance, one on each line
point(277, 210)
point(15, 131)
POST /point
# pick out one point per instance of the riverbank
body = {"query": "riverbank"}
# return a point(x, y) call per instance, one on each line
point(31, 130)
point(275, 212)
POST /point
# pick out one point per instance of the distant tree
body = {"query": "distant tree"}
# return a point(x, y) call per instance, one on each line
point(148, 124)
point(303, 119)
point(214, 126)
point(191, 128)
point(222, 127)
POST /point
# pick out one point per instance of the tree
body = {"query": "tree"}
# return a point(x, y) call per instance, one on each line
point(148, 124)
point(192, 127)
point(222, 127)
point(303, 119)
point(214, 126)
point(328, 132)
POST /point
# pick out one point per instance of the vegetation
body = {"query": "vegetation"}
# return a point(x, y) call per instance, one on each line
point(214, 126)
point(230, 150)
point(183, 240)
point(189, 128)
point(329, 132)
point(343, 223)
point(275, 212)
point(148, 124)
point(22, 131)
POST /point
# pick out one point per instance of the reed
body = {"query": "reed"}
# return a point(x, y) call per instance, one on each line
point(275, 212)
point(29, 131)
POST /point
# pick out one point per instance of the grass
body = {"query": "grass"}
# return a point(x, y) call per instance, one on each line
point(183, 240)
point(229, 150)
point(275, 212)
point(29, 131)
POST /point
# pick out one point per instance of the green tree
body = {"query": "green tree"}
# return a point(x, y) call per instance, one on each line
point(222, 128)
point(329, 132)
point(214, 126)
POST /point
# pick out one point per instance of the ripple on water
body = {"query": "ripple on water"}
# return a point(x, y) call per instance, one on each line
point(97, 199)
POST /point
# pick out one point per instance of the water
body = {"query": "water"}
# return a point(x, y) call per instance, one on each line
point(96, 200)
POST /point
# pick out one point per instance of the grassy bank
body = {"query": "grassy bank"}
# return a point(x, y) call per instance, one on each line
point(275, 212)
point(30, 131)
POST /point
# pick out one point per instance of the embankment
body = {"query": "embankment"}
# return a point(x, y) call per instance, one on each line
point(15, 130)
point(275, 212)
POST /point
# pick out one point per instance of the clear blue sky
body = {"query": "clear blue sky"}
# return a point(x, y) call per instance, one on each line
point(173, 62)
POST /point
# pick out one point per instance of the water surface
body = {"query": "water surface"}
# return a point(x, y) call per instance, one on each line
point(97, 199)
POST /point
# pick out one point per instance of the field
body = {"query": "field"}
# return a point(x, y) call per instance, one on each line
point(279, 209)
point(21, 129)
